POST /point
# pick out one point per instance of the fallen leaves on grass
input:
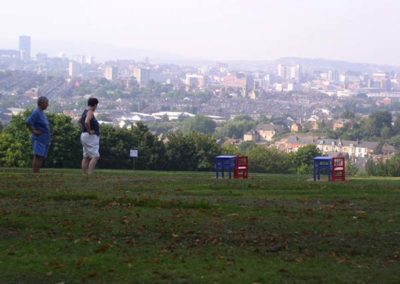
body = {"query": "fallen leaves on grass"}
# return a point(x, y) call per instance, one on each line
point(103, 248)
point(58, 265)
point(82, 262)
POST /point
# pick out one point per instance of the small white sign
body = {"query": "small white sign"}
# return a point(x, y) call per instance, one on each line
point(133, 153)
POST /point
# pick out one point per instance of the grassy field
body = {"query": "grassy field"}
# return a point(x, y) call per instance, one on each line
point(164, 227)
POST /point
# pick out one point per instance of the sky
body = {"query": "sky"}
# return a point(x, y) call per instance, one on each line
point(351, 30)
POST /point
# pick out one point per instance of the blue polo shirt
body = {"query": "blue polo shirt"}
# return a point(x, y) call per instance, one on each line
point(38, 120)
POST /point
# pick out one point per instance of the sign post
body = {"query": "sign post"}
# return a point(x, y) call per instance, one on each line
point(133, 153)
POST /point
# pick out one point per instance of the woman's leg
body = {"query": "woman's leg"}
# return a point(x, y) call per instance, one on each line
point(92, 164)
point(85, 165)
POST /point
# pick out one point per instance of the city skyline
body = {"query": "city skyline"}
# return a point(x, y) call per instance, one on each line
point(227, 30)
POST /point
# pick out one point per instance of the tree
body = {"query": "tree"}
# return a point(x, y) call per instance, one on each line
point(269, 160)
point(386, 132)
point(65, 149)
point(393, 166)
point(370, 167)
point(115, 144)
point(351, 168)
point(237, 127)
point(247, 146)
point(15, 143)
point(395, 141)
point(304, 157)
point(181, 152)
point(199, 124)
point(347, 114)
point(152, 153)
point(206, 150)
point(377, 121)
point(230, 149)
point(396, 126)
point(191, 152)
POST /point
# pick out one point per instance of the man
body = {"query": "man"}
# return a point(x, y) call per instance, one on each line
point(40, 129)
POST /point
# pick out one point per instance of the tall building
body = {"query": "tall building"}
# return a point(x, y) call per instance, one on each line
point(142, 75)
point(88, 59)
point(25, 47)
point(239, 81)
point(282, 71)
point(195, 81)
point(333, 76)
point(295, 73)
point(235, 80)
point(382, 80)
point(74, 69)
point(260, 84)
point(290, 73)
point(111, 73)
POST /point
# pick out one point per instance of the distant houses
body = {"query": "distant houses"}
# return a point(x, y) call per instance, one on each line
point(266, 131)
point(263, 133)
point(295, 127)
point(251, 136)
point(358, 149)
point(332, 147)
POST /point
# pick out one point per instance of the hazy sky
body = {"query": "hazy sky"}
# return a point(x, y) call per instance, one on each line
point(354, 30)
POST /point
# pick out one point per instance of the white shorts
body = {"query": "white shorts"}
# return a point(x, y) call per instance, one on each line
point(91, 145)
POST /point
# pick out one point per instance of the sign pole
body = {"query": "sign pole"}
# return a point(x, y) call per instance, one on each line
point(133, 153)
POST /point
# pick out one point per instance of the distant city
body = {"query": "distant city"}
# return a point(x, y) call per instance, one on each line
point(292, 94)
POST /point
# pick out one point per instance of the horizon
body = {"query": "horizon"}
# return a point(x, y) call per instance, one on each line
point(229, 30)
point(172, 58)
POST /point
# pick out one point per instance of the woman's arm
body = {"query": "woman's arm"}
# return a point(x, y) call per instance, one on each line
point(89, 116)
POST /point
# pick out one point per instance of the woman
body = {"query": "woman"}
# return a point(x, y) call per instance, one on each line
point(90, 137)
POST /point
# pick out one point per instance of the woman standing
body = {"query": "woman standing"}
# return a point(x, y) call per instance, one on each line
point(90, 137)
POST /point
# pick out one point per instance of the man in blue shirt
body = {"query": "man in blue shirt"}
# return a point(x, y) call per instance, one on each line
point(39, 127)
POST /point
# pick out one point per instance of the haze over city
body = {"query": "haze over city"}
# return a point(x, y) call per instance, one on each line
point(356, 30)
point(273, 74)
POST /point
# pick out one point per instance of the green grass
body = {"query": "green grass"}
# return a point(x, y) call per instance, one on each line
point(164, 227)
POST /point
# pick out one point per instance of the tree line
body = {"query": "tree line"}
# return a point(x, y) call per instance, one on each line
point(378, 126)
point(175, 151)
point(189, 151)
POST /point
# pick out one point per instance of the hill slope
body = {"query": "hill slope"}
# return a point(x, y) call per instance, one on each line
point(160, 227)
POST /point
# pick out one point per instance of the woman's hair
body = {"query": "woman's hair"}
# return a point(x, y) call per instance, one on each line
point(93, 102)
point(42, 100)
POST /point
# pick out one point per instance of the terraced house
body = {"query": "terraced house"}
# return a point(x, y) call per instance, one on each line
point(352, 149)
point(357, 149)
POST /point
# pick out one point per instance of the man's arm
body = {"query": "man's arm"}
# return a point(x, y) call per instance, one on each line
point(34, 131)
point(29, 123)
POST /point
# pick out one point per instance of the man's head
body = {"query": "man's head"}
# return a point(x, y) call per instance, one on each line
point(43, 102)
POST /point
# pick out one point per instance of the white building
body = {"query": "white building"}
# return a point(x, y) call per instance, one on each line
point(111, 73)
point(172, 115)
point(195, 81)
point(290, 73)
point(142, 75)
point(74, 69)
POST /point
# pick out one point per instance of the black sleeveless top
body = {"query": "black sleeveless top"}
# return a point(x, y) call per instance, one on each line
point(94, 124)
